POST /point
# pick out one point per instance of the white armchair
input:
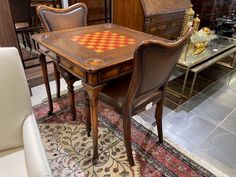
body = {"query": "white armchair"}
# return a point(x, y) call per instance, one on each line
point(21, 150)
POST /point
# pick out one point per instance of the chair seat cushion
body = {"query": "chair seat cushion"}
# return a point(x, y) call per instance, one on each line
point(12, 163)
point(114, 94)
point(115, 91)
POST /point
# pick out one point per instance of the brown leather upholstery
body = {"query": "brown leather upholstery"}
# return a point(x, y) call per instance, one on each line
point(54, 19)
point(116, 90)
point(153, 64)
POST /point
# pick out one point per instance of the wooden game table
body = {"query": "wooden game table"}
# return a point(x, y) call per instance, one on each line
point(95, 54)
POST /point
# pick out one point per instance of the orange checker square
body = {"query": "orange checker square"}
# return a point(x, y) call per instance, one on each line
point(102, 41)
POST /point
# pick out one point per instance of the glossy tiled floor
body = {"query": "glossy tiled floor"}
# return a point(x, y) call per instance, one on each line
point(205, 125)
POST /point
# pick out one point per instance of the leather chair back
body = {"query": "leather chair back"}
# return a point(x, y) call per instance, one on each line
point(54, 19)
point(154, 62)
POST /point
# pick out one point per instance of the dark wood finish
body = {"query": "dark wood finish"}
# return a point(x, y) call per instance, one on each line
point(8, 36)
point(76, 60)
point(93, 97)
point(70, 80)
point(53, 3)
point(210, 10)
point(132, 15)
point(57, 78)
point(129, 95)
point(46, 81)
point(162, 18)
point(22, 17)
point(99, 11)
point(54, 19)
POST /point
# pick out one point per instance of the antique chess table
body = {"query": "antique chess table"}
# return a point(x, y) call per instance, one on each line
point(95, 54)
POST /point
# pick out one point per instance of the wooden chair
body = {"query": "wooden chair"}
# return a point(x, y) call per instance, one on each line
point(54, 19)
point(129, 95)
point(22, 16)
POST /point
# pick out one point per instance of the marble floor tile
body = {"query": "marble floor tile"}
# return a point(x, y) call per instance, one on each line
point(219, 149)
point(151, 112)
point(176, 141)
point(222, 94)
point(230, 123)
point(187, 125)
point(167, 108)
point(148, 119)
point(148, 116)
point(229, 80)
point(209, 109)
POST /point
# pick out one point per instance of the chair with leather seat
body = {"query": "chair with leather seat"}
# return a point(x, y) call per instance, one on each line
point(21, 150)
point(55, 19)
point(154, 61)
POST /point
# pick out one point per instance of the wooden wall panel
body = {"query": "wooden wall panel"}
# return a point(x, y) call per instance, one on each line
point(96, 9)
point(7, 32)
point(128, 13)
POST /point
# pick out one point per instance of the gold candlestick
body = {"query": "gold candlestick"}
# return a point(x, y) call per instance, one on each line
point(196, 23)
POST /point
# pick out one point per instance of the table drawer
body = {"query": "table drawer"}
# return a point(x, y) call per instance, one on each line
point(109, 74)
point(69, 66)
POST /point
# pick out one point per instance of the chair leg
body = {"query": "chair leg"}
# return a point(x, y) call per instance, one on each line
point(57, 79)
point(127, 138)
point(23, 39)
point(158, 116)
point(28, 41)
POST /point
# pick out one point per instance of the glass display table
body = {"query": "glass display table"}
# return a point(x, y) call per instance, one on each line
point(217, 49)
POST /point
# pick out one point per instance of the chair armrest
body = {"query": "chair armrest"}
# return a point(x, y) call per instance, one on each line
point(36, 160)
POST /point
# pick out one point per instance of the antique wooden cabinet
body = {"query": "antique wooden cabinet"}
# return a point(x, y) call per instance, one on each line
point(210, 10)
point(159, 17)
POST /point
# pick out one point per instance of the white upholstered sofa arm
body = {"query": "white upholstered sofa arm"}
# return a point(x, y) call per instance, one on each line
point(36, 160)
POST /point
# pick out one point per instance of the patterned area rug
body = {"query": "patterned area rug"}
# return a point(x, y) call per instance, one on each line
point(69, 150)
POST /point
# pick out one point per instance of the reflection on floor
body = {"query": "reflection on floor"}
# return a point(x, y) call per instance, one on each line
point(204, 125)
